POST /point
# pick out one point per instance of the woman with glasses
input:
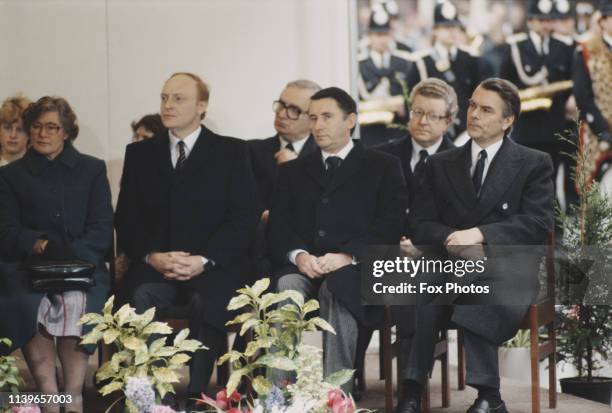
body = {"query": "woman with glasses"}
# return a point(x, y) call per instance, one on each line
point(55, 204)
point(13, 139)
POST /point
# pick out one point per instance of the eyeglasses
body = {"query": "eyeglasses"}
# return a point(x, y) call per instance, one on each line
point(293, 112)
point(49, 128)
point(418, 114)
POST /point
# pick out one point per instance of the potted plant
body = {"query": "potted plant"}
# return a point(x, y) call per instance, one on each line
point(277, 343)
point(143, 371)
point(514, 357)
point(584, 331)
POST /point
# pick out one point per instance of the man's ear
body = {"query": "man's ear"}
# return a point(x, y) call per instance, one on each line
point(352, 118)
point(202, 107)
point(507, 122)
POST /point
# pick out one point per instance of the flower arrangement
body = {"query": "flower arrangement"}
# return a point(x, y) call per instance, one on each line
point(144, 372)
point(278, 321)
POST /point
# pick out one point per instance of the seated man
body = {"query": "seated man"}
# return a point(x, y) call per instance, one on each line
point(292, 139)
point(186, 218)
point(491, 191)
point(328, 207)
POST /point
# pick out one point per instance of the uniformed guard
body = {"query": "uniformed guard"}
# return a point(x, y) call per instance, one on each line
point(539, 62)
point(382, 69)
point(592, 77)
point(448, 60)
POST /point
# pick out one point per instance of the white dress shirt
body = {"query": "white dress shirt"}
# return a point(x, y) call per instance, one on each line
point(342, 154)
point(381, 61)
point(491, 152)
point(416, 148)
point(189, 140)
point(297, 145)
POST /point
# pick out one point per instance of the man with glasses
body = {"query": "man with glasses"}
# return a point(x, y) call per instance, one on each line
point(292, 139)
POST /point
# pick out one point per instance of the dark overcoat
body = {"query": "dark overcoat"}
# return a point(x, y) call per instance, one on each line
point(66, 200)
point(363, 205)
point(205, 208)
point(515, 208)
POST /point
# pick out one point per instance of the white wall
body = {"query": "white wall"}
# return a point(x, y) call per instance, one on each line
point(109, 58)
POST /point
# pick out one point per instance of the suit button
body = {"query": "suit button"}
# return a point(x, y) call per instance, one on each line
point(322, 233)
point(325, 201)
point(57, 215)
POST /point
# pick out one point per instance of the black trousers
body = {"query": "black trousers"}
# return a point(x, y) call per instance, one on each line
point(481, 355)
point(164, 294)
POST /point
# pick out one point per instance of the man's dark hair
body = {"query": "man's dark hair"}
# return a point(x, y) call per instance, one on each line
point(67, 117)
point(344, 100)
point(508, 92)
point(151, 122)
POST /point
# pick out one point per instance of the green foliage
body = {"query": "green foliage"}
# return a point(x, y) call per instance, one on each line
point(584, 332)
point(129, 332)
point(277, 332)
point(9, 372)
point(521, 339)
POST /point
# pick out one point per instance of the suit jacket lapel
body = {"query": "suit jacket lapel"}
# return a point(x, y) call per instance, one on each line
point(314, 167)
point(349, 167)
point(405, 154)
point(458, 173)
point(507, 163)
point(163, 152)
point(199, 155)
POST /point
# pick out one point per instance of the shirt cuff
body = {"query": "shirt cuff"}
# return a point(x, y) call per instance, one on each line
point(292, 255)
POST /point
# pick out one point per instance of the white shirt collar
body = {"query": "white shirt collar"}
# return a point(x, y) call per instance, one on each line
point(491, 152)
point(342, 154)
point(416, 149)
point(297, 145)
point(381, 61)
point(189, 140)
point(541, 44)
point(445, 53)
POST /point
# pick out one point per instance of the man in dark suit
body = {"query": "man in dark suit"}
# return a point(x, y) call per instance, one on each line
point(433, 107)
point(329, 207)
point(292, 139)
point(186, 217)
point(490, 192)
point(448, 60)
point(534, 59)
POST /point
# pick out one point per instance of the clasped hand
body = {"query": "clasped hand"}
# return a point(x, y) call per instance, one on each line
point(177, 265)
point(316, 267)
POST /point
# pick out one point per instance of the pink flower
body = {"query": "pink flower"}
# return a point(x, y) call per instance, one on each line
point(339, 403)
point(162, 409)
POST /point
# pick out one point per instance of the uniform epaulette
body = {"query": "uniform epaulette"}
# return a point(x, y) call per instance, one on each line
point(518, 37)
point(420, 54)
point(470, 50)
point(568, 40)
point(401, 54)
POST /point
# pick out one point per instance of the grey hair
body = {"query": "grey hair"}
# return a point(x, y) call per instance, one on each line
point(304, 84)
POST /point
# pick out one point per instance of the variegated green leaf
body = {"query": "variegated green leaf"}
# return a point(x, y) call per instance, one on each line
point(110, 335)
point(157, 327)
point(238, 302)
point(181, 336)
point(165, 375)
point(111, 387)
point(260, 286)
point(340, 377)
point(322, 324)
point(310, 306)
point(261, 385)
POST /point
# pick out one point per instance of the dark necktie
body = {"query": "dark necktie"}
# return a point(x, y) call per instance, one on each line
point(181, 158)
point(290, 147)
point(420, 165)
point(332, 163)
point(478, 172)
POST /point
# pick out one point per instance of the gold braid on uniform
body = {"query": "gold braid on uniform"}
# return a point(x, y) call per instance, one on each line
point(599, 64)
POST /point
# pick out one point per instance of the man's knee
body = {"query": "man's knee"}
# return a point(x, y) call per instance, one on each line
point(292, 282)
point(144, 297)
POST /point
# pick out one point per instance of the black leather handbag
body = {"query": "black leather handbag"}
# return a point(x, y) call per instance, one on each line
point(58, 276)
